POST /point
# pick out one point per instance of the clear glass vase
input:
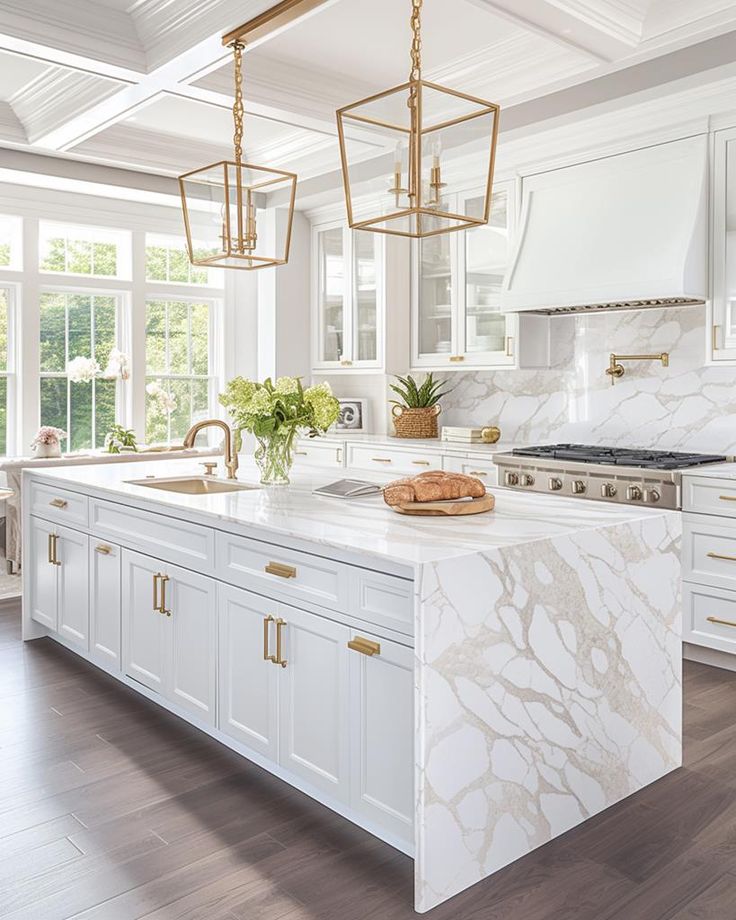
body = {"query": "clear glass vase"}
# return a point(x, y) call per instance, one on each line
point(274, 456)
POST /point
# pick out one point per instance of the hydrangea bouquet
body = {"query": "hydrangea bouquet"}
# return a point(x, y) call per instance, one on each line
point(275, 413)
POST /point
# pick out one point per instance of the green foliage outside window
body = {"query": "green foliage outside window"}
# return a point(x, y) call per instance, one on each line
point(170, 263)
point(80, 257)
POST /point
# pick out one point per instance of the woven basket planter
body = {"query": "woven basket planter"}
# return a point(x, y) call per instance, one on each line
point(416, 423)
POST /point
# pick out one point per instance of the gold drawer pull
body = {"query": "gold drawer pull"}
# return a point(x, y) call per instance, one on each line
point(58, 503)
point(727, 498)
point(301, 453)
point(382, 460)
point(156, 604)
point(267, 656)
point(103, 549)
point(53, 540)
point(477, 473)
point(164, 581)
point(364, 646)
point(283, 571)
point(421, 463)
point(721, 622)
point(277, 659)
point(720, 556)
point(346, 363)
point(455, 359)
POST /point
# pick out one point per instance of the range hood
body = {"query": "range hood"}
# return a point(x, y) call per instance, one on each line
point(621, 233)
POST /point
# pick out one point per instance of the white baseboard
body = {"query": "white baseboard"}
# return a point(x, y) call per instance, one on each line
point(712, 656)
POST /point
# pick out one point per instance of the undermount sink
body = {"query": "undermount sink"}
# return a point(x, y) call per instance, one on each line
point(192, 485)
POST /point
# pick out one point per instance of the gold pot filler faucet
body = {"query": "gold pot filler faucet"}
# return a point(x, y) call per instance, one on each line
point(231, 456)
point(616, 370)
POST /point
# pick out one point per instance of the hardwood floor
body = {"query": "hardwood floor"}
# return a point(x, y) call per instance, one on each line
point(112, 809)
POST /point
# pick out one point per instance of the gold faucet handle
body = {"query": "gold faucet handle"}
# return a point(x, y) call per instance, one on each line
point(209, 468)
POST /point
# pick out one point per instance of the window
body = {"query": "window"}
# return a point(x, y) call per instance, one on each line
point(179, 382)
point(71, 326)
point(11, 231)
point(6, 365)
point(167, 261)
point(83, 251)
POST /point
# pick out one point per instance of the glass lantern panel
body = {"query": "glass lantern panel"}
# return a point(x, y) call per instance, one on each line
point(331, 293)
point(365, 295)
point(435, 296)
point(440, 105)
point(486, 261)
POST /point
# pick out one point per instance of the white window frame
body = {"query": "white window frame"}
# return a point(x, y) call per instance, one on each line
point(11, 292)
point(121, 239)
point(121, 324)
point(213, 376)
point(214, 275)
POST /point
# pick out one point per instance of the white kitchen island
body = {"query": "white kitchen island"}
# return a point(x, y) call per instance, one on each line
point(467, 689)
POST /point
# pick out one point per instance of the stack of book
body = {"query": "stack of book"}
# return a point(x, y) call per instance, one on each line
point(471, 435)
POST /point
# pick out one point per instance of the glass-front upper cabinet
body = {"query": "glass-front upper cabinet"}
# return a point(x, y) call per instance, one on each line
point(723, 326)
point(348, 287)
point(456, 286)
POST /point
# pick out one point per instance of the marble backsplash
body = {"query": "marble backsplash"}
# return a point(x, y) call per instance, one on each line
point(687, 406)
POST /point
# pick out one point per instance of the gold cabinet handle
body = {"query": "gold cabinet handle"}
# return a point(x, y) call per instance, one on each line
point(720, 556)
point(727, 498)
point(283, 571)
point(421, 462)
point(103, 549)
point(714, 340)
point(721, 622)
point(58, 503)
point(53, 545)
point(382, 460)
point(267, 656)
point(156, 604)
point(346, 363)
point(50, 549)
point(364, 646)
point(456, 359)
point(301, 453)
point(477, 473)
point(164, 582)
point(277, 658)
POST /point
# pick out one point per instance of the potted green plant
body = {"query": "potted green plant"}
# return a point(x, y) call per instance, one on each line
point(275, 413)
point(120, 440)
point(415, 412)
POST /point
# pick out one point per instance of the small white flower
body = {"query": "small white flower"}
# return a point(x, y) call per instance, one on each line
point(118, 365)
point(165, 400)
point(82, 370)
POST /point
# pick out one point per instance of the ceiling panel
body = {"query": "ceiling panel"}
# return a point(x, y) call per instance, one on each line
point(17, 71)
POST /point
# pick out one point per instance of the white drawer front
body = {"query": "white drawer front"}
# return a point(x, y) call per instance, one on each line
point(390, 460)
point(709, 496)
point(59, 505)
point(383, 599)
point(170, 539)
point(282, 572)
point(709, 550)
point(710, 617)
point(485, 470)
point(308, 454)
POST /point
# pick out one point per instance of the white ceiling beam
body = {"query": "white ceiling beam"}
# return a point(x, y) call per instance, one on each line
point(86, 64)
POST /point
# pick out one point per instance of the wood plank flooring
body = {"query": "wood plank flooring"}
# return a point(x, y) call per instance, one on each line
point(112, 809)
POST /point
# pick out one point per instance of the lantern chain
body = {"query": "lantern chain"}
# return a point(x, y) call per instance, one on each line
point(416, 44)
point(238, 108)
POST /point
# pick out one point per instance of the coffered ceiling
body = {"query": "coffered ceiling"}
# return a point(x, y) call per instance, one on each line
point(146, 84)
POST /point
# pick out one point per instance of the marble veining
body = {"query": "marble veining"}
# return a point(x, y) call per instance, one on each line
point(548, 688)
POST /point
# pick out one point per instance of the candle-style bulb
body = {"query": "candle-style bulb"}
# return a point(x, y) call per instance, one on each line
point(397, 156)
point(436, 151)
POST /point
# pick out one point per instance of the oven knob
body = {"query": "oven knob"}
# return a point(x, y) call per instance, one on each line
point(608, 490)
point(527, 480)
point(651, 495)
point(577, 486)
point(634, 493)
point(554, 484)
point(511, 479)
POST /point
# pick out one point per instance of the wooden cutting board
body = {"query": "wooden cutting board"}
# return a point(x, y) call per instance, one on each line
point(438, 509)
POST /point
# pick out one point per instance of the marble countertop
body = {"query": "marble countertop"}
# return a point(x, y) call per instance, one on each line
point(12, 464)
point(364, 525)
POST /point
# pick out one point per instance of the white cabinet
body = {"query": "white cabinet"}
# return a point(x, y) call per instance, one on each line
point(169, 632)
point(483, 467)
point(59, 574)
point(313, 700)
point(104, 603)
point(723, 310)
point(314, 452)
point(348, 298)
point(247, 677)
point(382, 732)
point(456, 285)
point(392, 459)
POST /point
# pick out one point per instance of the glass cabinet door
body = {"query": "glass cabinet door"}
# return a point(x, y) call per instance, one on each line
point(331, 294)
point(436, 296)
point(723, 338)
point(365, 276)
point(486, 257)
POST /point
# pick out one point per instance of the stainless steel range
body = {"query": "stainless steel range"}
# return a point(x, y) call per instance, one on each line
point(611, 474)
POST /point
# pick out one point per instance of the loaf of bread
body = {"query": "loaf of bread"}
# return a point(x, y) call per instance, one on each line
point(433, 486)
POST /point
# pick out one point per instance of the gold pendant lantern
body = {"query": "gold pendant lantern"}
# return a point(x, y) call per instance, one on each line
point(436, 138)
point(238, 215)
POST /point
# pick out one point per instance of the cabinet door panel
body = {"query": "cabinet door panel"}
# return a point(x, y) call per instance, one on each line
point(73, 574)
point(382, 735)
point(104, 602)
point(42, 574)
point(248, 683)
point(313, 710)
point(191, 600)
point(144, 635)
